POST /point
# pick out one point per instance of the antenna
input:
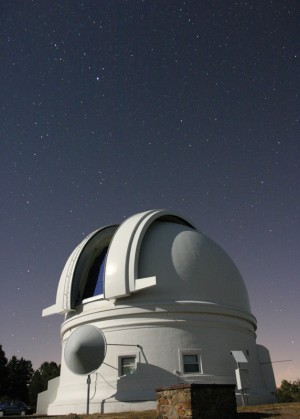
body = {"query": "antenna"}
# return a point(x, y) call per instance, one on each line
point(85, 351)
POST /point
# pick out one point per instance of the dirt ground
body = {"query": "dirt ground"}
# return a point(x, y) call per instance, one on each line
point(279, 410)
point(275, 411)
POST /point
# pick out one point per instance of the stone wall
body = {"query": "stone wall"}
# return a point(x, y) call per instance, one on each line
point(196, 401)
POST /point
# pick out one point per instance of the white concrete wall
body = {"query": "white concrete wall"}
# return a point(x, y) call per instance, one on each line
point(48, 396)
point(161, 334)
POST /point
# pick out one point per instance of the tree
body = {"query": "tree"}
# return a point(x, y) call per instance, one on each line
point(19, 381)
point(3, 373)
point(288, 392)
point(20, 372)
point(40, 378)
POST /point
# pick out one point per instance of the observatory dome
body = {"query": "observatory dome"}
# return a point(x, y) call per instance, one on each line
point(152, 256)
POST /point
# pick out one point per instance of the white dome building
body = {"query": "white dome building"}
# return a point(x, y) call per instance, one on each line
point(172, 306)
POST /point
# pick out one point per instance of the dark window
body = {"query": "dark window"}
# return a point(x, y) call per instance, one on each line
point(190, 363)
point(127, 365)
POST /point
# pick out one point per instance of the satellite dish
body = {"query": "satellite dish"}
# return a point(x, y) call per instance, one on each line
point(85, 350)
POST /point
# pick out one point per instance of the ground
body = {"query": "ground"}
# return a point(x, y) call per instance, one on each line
point(275, 411)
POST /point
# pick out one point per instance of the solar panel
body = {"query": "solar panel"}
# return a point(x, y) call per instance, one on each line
point(239, 356)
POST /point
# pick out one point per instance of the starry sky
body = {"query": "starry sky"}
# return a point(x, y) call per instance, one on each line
point(113, 107)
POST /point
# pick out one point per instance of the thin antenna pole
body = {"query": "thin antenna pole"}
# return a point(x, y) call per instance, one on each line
point(88, 394)
point(274, 362)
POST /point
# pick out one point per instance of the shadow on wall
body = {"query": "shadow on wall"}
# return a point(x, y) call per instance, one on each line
point(138, 383)
point(142, 384)
point(130, 387)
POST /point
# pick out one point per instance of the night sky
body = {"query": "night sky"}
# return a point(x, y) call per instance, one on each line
point(114, 107)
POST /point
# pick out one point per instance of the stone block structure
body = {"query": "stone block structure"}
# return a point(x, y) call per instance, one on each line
point(196, 401)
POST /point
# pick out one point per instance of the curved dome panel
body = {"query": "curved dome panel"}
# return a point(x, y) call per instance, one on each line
point(121, 273)
point(78, 270)
point(190, 266)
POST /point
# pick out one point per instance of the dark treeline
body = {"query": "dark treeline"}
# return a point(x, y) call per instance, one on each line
point(288, 392)
point(19, 381)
